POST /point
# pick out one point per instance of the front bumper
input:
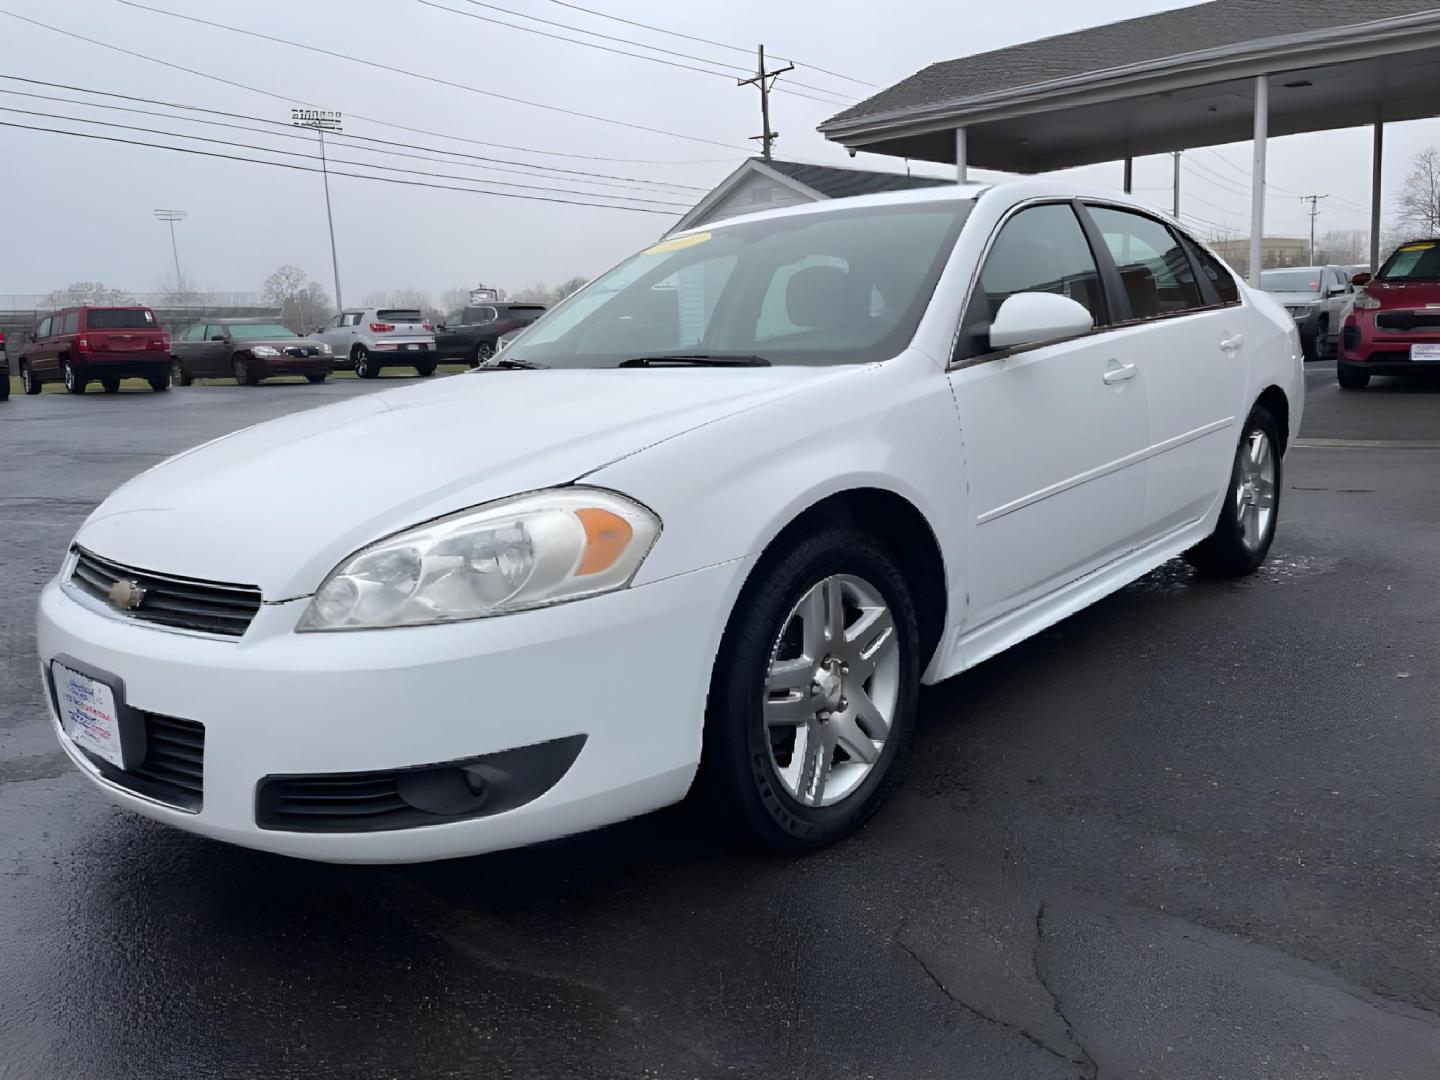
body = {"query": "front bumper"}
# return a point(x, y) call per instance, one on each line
point(1363, 344)
point(629, 670)
point(267, 366)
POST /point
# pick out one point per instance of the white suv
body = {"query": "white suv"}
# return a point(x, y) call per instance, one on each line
point(376, 338)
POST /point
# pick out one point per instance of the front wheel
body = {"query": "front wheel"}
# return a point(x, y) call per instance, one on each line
point(1243, 534)
point(1351, 377)
point(813, 696)
point(244, 376)
point(483, 352)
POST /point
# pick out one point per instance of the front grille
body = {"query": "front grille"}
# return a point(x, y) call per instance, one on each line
point(184, 603)
point(301, 350)
point(172, 770)
point(1408, 320)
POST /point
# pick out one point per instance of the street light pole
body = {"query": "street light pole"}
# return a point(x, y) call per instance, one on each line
point(173, 216)
point(323, 120)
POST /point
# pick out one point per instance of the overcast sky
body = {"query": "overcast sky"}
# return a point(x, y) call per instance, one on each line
point(82, 209)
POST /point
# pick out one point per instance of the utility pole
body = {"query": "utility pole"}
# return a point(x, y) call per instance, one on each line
point(1314, 213)
point(765, 80)
point(173, 216)
point(323, 120)
point(1175, 212)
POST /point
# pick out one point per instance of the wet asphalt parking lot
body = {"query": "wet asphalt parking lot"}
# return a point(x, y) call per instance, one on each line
point(1192, 831)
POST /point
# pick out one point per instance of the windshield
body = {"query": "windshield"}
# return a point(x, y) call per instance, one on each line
point(1306, 279)
point(838, 287)
point(1413, 262)
point(120, 319)
point(257, 331)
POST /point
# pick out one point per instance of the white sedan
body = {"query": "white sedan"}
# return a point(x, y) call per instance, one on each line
point(707, 526)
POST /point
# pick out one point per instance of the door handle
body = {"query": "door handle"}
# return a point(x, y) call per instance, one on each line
point(1232, 343)
point(1119, 373)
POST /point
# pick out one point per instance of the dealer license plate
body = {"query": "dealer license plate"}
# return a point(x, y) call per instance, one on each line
point(88, 714)
point(1425, 353)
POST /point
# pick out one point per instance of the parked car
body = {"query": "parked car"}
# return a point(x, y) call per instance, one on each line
point(1316, 296)
point(503, 341)
point(473, 334)
point(247, 350)
point(4, 370)
point(1393, 327)
point(848, 448)
point(81, 345)
point(373, 339)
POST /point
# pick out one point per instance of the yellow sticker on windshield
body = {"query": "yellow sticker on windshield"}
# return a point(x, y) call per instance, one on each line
point(1417, 247)
point(680, 242)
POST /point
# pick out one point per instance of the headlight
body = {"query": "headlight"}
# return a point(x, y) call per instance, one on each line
point(1365, 302)
point(324, 348)
point(526, 552)
point(264, 350)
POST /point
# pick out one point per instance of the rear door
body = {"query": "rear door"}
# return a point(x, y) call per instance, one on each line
point(1191, 337)
point(1055, 434)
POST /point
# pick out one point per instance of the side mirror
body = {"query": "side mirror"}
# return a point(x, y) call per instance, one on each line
point(1362, 278)
point(1033, 318)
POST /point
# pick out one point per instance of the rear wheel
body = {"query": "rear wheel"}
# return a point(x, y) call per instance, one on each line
point(28, 382)
point(1350, 377)
point(365, 368)
point(5, 386)
point(1243, 534)
point(160, 384)
point(426, 368)
point(813, 696)
point(111, 384)
point(75, 381)
point(178, 375)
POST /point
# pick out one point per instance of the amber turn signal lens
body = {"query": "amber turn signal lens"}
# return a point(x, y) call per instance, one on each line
point(606, 536)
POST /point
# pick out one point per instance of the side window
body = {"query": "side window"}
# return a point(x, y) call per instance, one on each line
point(334, 322)
point(1221, 278)
point(195, 333)
point(214, 330)
point(352, 318)
point(1153, 265)
point(1042, 249)
point(68, 322)
point(43, 330)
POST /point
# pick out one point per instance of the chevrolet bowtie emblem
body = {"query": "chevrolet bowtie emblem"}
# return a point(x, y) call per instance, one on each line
point(127, 595)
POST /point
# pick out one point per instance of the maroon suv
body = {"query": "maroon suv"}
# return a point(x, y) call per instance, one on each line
point(1394, 326)
point(81, 345)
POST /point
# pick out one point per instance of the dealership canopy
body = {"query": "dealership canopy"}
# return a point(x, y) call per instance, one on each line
point(1197, 76)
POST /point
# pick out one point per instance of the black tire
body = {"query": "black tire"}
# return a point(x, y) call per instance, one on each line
point(1323, 349)
point(738, 777)
point(317, 378)
point(365, 368)
point(75, 381)
point(244, 374)
point(179, 376)
point(111, 385)
point(28, 382)
point(425, 368)
point(160, 384)
point(1225, 553)
point(481, 353)
point(1350, 377)
point(5, 386)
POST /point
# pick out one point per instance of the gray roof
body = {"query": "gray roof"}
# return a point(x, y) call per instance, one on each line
point(1150, 37)
point(836, 183)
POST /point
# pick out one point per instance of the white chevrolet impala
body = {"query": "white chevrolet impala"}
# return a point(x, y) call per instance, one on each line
point(707, 526)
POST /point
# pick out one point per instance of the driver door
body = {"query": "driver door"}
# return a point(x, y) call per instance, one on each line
point(1056, 435)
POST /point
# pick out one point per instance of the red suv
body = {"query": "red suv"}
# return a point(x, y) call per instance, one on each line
point(1394, 326)
point(81, 345)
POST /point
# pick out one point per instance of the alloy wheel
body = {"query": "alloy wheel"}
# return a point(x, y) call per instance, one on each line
point(1255, 489)
point(242, 373)
point(832, 689)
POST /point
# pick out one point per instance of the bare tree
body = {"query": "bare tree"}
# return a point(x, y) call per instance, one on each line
point(284, 284)
point(87, 292)
point(1418, 201)
point(566, 287)
point(403, 298)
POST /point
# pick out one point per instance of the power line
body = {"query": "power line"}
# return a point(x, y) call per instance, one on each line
point(290, 100)
point(574, 175)
point(623, 41)
point(306, 168)
point(342, 161)
point(377, 65)
point(706, 41)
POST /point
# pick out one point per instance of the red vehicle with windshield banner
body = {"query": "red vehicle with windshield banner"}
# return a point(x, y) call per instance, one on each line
point(81, 345)
point(1393, 327)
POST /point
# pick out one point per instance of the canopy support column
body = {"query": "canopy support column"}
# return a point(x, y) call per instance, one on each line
point(1257, 177)
point(961, 164)
point(1375, 194)
point(1129, 174)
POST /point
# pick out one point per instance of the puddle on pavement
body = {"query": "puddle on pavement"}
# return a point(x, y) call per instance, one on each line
point(1176, 576)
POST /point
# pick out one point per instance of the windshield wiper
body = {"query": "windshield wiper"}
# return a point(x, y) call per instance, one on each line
point(523, 365)
point(696, 360)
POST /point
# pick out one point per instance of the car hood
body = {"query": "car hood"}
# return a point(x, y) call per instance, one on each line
point(1404, 294)
point(278, 505)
